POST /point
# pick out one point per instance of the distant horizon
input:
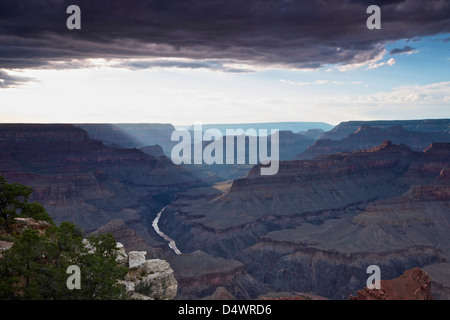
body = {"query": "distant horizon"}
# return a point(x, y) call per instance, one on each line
point(227, 123)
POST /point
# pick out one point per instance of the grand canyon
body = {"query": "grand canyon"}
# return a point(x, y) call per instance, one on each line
point(345, 197)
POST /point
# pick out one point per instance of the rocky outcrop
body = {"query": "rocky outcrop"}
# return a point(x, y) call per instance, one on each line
point(414, 284)
point(122, 257)
point(16, 229)
point(149, 279)
point(5, 245)
point(136, 258)
point(21, 224)
point(29, 223)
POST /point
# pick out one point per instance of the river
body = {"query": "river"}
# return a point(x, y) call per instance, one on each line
point(172, 244)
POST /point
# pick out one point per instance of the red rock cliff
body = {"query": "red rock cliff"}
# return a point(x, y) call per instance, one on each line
point(414, 284)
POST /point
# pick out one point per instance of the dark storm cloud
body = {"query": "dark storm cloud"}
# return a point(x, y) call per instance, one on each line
point(406, 49)
point(293, 33)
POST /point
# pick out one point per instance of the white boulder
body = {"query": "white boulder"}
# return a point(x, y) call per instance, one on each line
point(136, 258)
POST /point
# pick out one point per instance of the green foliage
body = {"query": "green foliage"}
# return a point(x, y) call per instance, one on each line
point(13, 198)
point(36, 211)
point(36, 265)
point(8, 238)
point(145, 289)
point(100, 271)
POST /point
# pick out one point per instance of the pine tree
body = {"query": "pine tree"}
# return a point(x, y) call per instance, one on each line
point(36, 265)
point(13, 197)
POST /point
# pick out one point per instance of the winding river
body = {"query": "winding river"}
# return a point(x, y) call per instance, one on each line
point(172, 244)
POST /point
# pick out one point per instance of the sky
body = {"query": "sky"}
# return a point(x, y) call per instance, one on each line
point(215, 61)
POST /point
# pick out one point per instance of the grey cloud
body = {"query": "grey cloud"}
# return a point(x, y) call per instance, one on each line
point(215, 65)
point(406, 49)
point(7, 80)
point(290, 33)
